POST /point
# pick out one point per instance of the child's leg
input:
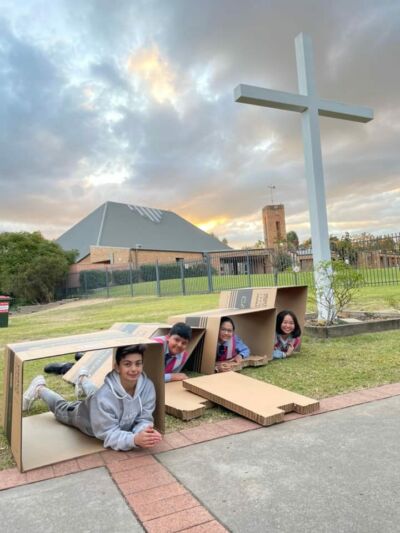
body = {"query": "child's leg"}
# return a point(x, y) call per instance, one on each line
point(63, 410)
point(88, 387)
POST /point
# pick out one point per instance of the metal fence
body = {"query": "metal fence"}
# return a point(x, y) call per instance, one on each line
point(378, 261)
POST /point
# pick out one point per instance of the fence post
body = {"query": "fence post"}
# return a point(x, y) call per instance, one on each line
point(107, 287)
point(158, 280)
point(182, 277)
point(276, 276)
point(131, 277)
point(209, 274)
point(85, 284)
point(248, 267)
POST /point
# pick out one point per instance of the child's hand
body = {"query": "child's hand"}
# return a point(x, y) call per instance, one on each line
point(238, 358)
point(223, 367)
point(290, 350)
point(147, 438)
point(179, 376)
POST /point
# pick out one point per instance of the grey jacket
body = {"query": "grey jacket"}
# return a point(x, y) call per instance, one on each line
point(113, 415)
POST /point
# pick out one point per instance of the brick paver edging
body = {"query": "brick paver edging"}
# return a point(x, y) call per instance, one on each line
point(151, 491)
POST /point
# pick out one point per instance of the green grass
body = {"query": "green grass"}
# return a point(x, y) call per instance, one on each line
point(323, 368)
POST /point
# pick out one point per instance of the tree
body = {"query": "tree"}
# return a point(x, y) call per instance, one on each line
point(281, 260)
point(342, 282)
point(225, 241)
point(292, 240)
point(259, 245)
point(32, 267)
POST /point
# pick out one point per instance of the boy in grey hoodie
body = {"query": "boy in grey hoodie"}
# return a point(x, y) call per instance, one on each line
point(120, 413)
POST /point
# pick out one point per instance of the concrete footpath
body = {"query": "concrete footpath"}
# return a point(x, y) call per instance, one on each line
point(337, 471)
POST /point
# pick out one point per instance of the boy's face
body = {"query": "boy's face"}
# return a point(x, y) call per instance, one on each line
point(130, 368)
point(177, 344)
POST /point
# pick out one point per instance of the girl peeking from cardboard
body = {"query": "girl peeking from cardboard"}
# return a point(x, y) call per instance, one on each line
point(231, 350)
point(287, 335)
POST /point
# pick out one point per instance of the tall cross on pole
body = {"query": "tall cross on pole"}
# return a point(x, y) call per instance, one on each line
point(310, 106)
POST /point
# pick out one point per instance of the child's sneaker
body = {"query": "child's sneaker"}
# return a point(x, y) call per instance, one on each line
point(79, 391)
point(31, 393)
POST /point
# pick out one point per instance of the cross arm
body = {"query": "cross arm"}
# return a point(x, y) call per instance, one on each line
point(330, 108)
point(249, 94)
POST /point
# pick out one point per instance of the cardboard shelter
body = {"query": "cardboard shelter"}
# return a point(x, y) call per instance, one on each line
point(178, 401)
point(293, 298)
point(40, 440)
point(99, 362)
point(261, 402)
point(256, 327)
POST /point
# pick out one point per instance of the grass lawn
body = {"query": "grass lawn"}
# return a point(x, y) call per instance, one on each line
point(323, 368)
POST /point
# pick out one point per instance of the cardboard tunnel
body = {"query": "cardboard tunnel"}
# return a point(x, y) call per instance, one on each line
point(256, 400)
point(99, 362)
point(293, 298)
point(40, 440)
point(256, 327)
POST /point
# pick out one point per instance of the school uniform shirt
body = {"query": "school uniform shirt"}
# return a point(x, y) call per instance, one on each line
point(229, 349)
point(173, 364)
point(281, 345)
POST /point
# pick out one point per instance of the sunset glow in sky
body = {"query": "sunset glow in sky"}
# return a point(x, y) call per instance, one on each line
point(132, 101)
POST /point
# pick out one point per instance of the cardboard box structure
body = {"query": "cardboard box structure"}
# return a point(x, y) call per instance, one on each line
point(99, 362)
point(293, 298)
point(261, 402)
point(256, 327)
point(40, 440)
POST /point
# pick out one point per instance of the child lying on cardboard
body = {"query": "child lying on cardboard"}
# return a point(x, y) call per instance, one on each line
point(231, 350)
point(174, 349)
point(120, 413)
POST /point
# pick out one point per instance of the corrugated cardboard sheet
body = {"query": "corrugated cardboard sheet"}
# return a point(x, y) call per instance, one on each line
point(261, 402)
point(183, 404)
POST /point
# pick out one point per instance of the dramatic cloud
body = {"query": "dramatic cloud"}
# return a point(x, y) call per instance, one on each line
point(133, 102)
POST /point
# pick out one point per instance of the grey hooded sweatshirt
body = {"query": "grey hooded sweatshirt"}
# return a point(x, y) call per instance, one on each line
point(113, 415)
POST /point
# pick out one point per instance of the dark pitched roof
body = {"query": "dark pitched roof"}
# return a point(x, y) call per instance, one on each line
point(131, 226)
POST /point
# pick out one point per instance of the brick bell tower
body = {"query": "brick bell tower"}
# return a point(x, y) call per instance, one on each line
point(274, 225)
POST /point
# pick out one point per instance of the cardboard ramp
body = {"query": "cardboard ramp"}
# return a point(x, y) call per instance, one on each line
point(183, 404)
point(261, 402)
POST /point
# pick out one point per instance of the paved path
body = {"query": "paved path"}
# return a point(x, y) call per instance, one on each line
point(339, 472)
point(82, 502)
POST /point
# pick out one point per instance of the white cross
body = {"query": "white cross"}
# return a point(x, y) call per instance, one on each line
point(310, 106)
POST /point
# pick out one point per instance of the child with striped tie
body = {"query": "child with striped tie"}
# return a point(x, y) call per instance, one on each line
point(175, 354)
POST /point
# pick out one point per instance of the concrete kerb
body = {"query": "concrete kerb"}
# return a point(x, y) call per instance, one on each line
point(147, 486)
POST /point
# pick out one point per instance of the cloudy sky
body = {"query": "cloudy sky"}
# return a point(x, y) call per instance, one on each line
point(132, 101)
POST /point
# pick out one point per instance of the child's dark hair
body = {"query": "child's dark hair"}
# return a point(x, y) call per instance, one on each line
point(181, 329)
point(279, 319)
point(227, 319)
point(123, 351)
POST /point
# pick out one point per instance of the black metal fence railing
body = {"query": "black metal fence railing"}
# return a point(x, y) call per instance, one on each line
point(378, 261)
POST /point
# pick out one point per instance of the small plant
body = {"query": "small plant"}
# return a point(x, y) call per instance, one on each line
point(340, 284)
